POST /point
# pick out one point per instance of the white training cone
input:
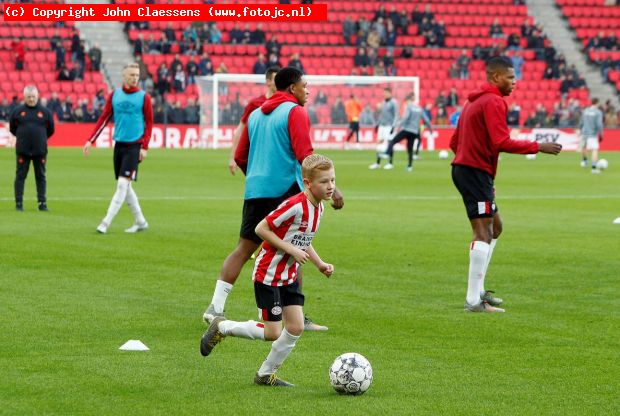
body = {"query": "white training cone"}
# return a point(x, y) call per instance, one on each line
point(134, 345)
point(617, 220)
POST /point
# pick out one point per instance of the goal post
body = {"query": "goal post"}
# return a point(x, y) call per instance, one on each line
point(224, 96)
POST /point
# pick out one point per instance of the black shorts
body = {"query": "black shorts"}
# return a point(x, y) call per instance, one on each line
point(126, 160)
point(354, 125)
point(255, 210)
point(270, 300)
point(477, 189)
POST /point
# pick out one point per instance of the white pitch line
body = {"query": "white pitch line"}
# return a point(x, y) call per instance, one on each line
point(347, 198)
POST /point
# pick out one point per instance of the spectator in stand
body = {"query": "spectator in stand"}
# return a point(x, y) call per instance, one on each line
point(428, 110)
point(170, 33)
point(159, 113)
point(548, 73)
point(441, 101)
point(258, 35)
point(388, 62)
point(19, 53)
point(407, 52)
point(294, 62)
point(260, 66)
point(205, 66)
point(454, 71)
point(166, 44)
point(204, 33)
point(453, 98)
point(373, 40)
point(246, 34)
point(363, 25)
point(190, 34)
point(416, 15)
point(222, 68)
point(495, 30)
point(393, 16)
point(5, 110)
point(179, 79)
point(163, 79)
point(216, 35)
point(98, 100)
point(65, 74)
point(348, 30)
point(428, 14)
point(381, 13)
point(55, 106)
point(526, 28)
point(139, 46)
point(566, 84)
point(94, 54)
point(192, 70)
point(273, 61)
point(517, 63)
point(321, 98)
point(402, 22)
point(360, 60)
point(372, 57)
point(463, 62)
point(379, 69)
point(390, 35)
point(338, 113)
point(175, 113)
point(192, 112)
point(80, 60)
point(611, 117)
point(513, 42)
point(514, 115)
point(442, 118)
point(379, 26)
point(153, 46)
point(541, 115)
point(272, 46)
point(144, 72)
point(60, 55)
point(66, 109)
point(75, 44)
point(440, 33)
point(236, 34)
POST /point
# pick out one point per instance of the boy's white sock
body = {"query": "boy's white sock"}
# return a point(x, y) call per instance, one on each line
point(117, 200)
point(222, 289)
point(280, 349)
point(134, 206)
point(478, 254)
point(247, 329)
point(486, 266)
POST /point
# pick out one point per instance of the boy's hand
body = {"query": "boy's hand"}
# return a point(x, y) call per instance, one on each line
point(300, 256)
point(327, 269)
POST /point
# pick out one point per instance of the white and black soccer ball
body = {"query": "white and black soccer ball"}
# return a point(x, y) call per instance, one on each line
point(350, 373)
point(602, 164)
point(443, 154)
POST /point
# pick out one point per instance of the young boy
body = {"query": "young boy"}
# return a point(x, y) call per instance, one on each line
point(287, 233)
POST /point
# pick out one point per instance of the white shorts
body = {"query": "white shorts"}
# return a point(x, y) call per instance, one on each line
point(383, 134)
point(589, 142)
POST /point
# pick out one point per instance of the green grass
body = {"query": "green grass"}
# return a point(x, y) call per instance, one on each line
point(69, 297)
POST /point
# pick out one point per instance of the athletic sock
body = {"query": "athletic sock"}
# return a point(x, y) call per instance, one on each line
point(280, 349)
point(222, 289)
point(486, 266)
point(478, 254)
point(247, 329)
point(134, 206)
point(117, 200)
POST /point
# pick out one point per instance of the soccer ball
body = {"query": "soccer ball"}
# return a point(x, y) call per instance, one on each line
point(602, 164)
point(531, 156)
point(350, 373)
point(443, 154)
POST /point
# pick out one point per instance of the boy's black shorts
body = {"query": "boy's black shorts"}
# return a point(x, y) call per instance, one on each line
point(126, 160)
point(477, 189)
point(255, 210)
point(271, 300)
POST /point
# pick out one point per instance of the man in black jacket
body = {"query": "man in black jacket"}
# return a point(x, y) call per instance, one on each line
point(33, 125)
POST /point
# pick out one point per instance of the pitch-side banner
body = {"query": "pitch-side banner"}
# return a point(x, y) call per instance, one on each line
point(327, 137)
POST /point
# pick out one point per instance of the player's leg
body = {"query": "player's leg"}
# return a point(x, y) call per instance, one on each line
point(21, 172)
point(383, 138)
point(476, 188)
point(357, 131)
point(583, 144)
point(292, 302)
point(390, 150)
point(410, 141)
point(593, 147)
point(487, 295)
point(140, 223)
point(39, 164)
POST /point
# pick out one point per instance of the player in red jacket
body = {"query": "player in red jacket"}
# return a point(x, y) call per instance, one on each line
point(481, 134)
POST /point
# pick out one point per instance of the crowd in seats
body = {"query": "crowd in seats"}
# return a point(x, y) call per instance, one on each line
point(51, 56)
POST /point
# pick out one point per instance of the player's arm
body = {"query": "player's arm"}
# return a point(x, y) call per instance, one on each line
point(495, 118)
point(427, 122)
point(13, 122)
point(147, 112)
point(232, 165)
point(243, 150)
point(105, 116)
point(325, 268)
point(49, 124)
point(264, 231)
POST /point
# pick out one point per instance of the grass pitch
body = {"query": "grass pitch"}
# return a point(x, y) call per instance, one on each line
point(69, 297)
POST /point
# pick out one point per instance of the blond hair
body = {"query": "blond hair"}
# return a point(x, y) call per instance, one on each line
point(313, 163)
point(132, 65)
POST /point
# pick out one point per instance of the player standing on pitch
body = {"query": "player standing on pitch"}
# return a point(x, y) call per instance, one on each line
point(481, 134)
point(133, 123)
point(388, 115)
point(252, 105)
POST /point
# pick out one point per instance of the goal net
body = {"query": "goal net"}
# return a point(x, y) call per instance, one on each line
point(224, 96)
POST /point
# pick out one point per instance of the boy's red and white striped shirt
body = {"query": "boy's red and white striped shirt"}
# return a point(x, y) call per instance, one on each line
point(296, 221)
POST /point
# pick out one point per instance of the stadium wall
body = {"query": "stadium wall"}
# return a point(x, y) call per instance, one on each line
point(327, 137)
